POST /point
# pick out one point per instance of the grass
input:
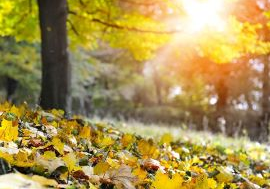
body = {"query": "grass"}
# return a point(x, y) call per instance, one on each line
point(155, 131)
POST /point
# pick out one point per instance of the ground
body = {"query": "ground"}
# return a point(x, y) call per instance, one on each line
point(46, 149)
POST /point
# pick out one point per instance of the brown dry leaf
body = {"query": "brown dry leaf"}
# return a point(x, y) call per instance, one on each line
point(151, 164)
point(50, 164)
point(122, 177)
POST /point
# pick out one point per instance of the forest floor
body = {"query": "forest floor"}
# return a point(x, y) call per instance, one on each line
point(41, 149)
point(154, 130)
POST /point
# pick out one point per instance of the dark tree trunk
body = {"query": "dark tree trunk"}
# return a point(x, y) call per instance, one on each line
point(249, 101)
point(222, 93)
point(158, 92)
point(158, 87)
point(266, 87)
point(264, 120)
point(11, 86)
point(221, 105)
point(56, 78)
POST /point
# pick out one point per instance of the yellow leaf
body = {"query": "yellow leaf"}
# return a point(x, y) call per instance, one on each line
point(211, 183)
point(101, 168)
point(22, 156)
point(64, 176)
point(58, 113)
point(26, 132)
point(201, 182)
point(44, 181)
point(105, 142)
point(54, 123)
point(4, 107)
point(177, 180)
point(147, 149)
point(140, 173)
point(128, 158)
point(162, 181)
point(15, 111)
point(220, 186)
point(22, 160)
point(258, 180)
point(70, 161)
point(49, 155)
point(127, 139)
point(113, 163)
point(58, 145)
point(166, 138)
point(8, 132)
point(8, 157)
point(224, 175)
point(85, 132)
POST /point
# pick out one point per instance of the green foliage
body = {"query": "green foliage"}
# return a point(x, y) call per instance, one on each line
point(19, 19)
point(21, 62)
point(112, 22)
point(88, 22)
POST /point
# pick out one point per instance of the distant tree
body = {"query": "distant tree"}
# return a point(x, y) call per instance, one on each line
point(19, 71)
point(87, 21)
point(257, 12)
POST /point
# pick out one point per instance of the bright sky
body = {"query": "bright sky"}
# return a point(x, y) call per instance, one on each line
point(203, 14)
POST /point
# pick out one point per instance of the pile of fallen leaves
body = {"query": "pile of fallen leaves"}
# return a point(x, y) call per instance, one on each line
point(41, 149)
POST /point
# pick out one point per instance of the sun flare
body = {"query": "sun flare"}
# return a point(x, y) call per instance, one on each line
point(203, 14)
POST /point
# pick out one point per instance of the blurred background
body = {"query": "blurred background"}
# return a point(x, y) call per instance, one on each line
point(213, 76)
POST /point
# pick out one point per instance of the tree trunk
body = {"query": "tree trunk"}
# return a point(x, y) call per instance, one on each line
point(222, 93)
point(158, 92)
point(249, 101)
point(11, 86)
point(265, 89)
point(264, 120)
point(55, 91)
point(220, 116)
point(158, 87)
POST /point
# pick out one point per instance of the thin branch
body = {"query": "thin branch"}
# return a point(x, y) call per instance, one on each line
point(30, 5)
point(88, 12)
point(73, 27)
point(151, 3)
point(71, 12)
point(23, 17)
point(116, 26)
point(120, 27)
point(82, 3)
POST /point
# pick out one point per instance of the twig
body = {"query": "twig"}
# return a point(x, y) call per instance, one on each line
point(73, 27)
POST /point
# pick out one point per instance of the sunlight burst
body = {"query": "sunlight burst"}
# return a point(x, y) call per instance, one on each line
point(204, 14)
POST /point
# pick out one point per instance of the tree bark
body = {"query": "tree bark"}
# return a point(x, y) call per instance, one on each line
point(266, 87)
point(158, 87)
point(222, 93)
point(56, 74)
point(264, 119)
point(11, 86)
